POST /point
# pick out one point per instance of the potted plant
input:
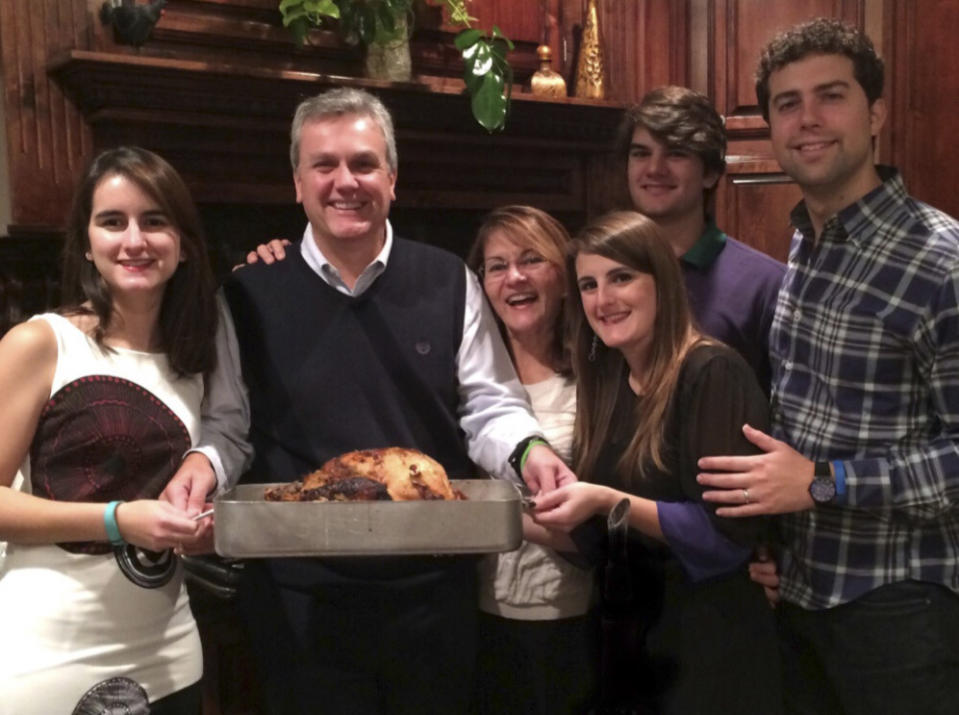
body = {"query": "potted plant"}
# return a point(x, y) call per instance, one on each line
point(386, 24)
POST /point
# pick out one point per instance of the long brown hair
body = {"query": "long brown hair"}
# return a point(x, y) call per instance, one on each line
point(535, 230)
point(188, 316)
point(635, 241)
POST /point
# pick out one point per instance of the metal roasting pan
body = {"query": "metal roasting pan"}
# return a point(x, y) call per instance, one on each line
point(488, 521)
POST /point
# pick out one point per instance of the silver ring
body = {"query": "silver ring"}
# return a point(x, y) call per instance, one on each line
point(746, 496)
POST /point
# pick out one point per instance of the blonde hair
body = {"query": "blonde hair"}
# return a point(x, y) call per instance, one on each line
point(533, 229)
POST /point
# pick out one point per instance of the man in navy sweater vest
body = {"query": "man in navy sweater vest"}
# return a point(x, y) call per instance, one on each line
point(359, 339)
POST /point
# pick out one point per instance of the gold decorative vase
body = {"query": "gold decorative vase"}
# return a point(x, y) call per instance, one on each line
point(545, 81)
point(590, 70)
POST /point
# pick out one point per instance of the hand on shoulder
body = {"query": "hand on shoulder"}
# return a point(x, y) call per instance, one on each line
point(270, 252)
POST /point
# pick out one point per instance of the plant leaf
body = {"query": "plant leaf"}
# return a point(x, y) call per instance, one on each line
point(386, 19)
point(480, 60)
point(318, 9)
point(364, 24)
point(466, 39)
point(299, 27)
point(497, 34)
point(489, 104)
point(328, 8)
point(293, 15)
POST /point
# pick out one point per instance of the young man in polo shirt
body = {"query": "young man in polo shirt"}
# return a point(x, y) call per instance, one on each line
point(676, 146)
point(864, 466)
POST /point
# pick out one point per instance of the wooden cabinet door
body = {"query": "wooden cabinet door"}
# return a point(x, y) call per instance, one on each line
point(922, 95)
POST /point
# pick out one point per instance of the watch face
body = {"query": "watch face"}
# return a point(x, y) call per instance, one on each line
point(822, 489)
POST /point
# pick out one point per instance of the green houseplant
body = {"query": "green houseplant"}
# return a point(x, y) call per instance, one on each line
point(486, 71)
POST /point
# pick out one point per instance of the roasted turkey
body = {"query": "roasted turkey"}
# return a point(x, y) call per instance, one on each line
point(389, 473)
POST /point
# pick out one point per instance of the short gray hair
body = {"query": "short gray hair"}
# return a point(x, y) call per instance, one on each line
point(337, 103)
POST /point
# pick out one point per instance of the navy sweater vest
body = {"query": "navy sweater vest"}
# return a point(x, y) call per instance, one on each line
point(328, 373)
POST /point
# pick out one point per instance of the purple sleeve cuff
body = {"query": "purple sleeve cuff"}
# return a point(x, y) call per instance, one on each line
point(703, 551)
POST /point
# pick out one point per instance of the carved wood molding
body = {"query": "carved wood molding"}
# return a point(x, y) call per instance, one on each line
point(224, 126)
point(100, 83)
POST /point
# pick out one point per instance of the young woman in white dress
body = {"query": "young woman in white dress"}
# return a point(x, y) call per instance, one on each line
point(100, 401)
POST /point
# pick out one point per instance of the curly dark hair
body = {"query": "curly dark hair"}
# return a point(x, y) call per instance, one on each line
point(822, 36)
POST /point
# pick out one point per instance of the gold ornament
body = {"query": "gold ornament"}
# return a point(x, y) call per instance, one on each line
point(590, 70)
point(545, 82)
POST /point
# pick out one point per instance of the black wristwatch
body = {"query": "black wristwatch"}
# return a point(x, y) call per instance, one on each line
point(822, 489)
point(516, 458)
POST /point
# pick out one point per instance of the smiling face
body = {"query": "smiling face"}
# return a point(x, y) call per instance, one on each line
point(619, 303)
point(133, 244)
point(344, 181)
point(822, 128)
point(666, 183)
point(525, 289)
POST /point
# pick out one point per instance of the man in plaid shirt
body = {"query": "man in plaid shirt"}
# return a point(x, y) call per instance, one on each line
point(864, 466)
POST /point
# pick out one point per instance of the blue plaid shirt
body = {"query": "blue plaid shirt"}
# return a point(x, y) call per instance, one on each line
point(865, 352)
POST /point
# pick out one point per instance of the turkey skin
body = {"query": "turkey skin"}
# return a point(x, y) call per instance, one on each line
point(385, 474)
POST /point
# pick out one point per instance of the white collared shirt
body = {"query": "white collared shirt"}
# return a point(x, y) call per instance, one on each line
point(493, 412)
point(328, 272)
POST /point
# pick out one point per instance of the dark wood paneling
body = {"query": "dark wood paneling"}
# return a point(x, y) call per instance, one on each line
point(518, 19)
point(922, 77)
point(47, 139)
point(644, 41)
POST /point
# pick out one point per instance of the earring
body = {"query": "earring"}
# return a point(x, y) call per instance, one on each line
point(88, 256)
point(592, 349)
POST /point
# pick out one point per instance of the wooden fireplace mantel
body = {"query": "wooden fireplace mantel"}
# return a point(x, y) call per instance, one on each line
point(225, 127)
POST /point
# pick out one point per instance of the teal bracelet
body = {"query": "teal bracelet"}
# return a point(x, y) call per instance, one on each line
point(110, 522)
point(532, 443)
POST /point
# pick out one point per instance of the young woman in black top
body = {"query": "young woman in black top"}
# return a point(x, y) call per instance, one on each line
point(653, 395)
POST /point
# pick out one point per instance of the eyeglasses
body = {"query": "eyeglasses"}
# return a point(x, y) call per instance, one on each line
point(496, 269)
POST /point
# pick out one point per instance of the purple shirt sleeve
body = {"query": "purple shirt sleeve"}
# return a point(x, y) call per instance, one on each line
point(703, 551)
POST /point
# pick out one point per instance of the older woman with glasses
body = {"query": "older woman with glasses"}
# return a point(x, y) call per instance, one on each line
point(535, 653)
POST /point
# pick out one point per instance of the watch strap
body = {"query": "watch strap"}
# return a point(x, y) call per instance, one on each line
point(822, 488)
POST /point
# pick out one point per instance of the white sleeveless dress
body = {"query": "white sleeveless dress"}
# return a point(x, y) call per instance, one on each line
point(115, 427)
